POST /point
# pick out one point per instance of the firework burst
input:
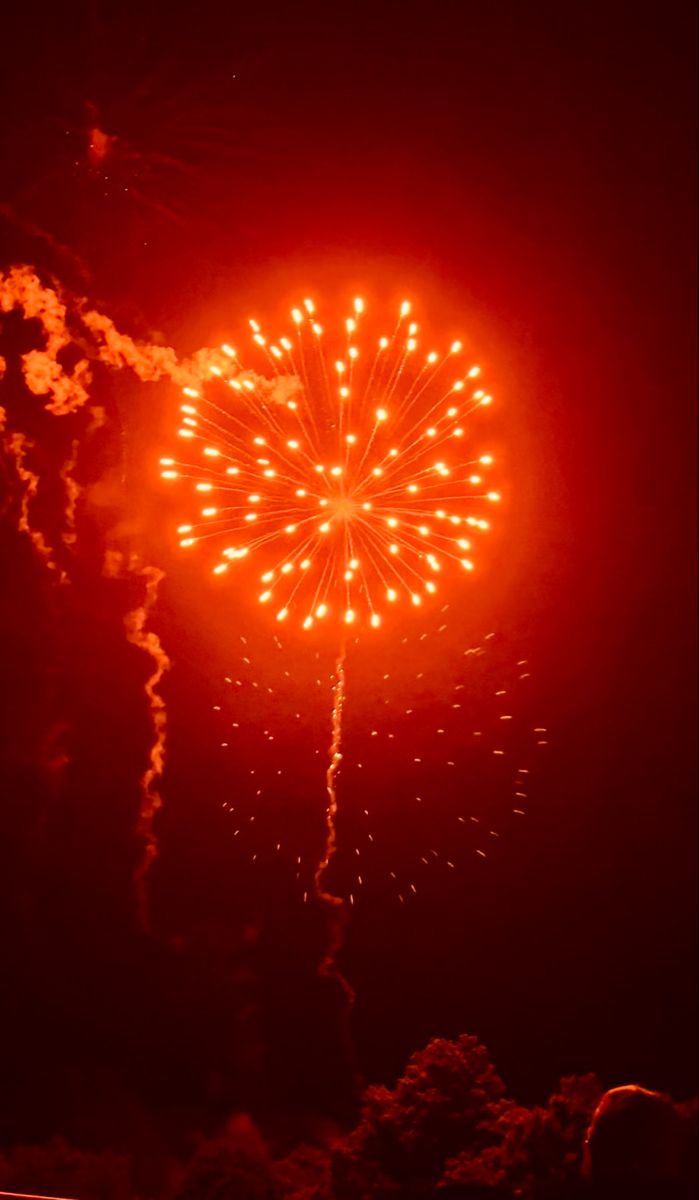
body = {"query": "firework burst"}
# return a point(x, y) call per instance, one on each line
point(347, 481)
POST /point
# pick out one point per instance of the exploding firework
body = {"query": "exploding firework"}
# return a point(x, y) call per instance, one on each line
point(347, 481)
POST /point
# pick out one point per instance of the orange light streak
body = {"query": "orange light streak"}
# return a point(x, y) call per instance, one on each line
point(348, 485)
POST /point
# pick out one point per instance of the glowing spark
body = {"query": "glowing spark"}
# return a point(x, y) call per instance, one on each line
point(330, 495)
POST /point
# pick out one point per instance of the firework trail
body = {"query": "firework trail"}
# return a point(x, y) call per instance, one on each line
point(44, 374)
point(72, 494)
point(137, 633)
point(336, 904)
point(334, 763)
point(101, 342)
point(17, 446)
point(66, 322)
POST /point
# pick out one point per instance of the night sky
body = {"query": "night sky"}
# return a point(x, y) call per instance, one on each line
point(525, 174)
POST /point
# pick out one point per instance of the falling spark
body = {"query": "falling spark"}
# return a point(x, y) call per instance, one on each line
point(449, 795)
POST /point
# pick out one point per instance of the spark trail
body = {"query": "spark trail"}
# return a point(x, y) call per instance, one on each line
point(334, 902)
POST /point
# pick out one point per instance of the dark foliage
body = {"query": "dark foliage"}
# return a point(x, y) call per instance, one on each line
point(447, 1129)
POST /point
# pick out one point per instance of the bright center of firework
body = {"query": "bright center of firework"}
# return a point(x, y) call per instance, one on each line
point(345, 507)
point(350, 483)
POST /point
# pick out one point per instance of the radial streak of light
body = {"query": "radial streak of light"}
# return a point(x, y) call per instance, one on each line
point(347, 486)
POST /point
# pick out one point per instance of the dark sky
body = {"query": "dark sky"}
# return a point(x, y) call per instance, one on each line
point(525, 171)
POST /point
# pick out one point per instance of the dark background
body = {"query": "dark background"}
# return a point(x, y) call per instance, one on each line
point(526, 172)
